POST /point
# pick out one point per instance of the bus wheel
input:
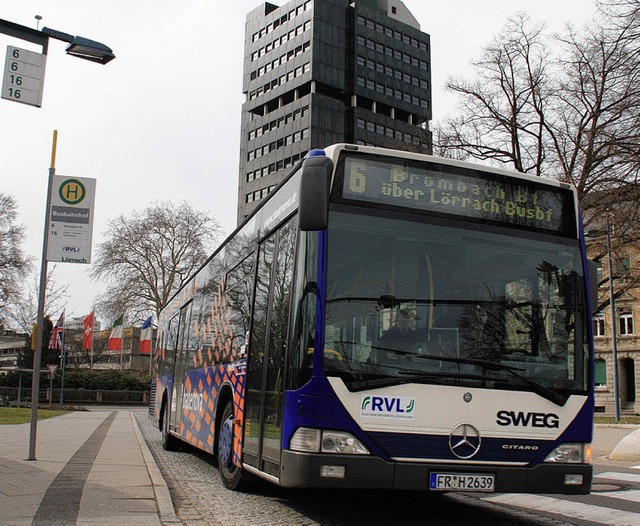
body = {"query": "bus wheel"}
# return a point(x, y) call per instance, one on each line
point(169, 442)
point(231, 475)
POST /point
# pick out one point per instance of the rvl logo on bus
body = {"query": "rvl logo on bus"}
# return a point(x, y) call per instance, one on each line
point(402, 407)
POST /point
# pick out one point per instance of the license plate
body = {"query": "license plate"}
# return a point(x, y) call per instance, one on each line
point(462, 482)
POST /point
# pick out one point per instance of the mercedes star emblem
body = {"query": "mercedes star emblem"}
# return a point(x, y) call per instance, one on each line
point(464, 441)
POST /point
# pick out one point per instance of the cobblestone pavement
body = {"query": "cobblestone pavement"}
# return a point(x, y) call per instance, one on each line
point(200, 499)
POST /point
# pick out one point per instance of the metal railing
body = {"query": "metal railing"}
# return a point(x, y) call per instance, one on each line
point(15, 397)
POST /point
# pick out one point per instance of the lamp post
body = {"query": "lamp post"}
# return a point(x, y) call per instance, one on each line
point(88, 50)
point(614, 345)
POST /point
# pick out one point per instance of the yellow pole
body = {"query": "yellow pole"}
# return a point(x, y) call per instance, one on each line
point(53, 149)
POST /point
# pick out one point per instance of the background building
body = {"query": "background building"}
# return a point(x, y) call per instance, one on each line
point(75, 324)
point(620, 225)
point(129, 358)
point(11, 345)
point(627, 339)
point(318, 72)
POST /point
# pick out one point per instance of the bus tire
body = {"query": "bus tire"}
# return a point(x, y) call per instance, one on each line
point(232, 476)
point(169, 442)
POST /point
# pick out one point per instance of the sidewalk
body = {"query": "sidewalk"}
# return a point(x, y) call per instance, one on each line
point(92, 468)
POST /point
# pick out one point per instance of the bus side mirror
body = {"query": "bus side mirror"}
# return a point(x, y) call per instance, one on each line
point(592, 271)
point(315, 182)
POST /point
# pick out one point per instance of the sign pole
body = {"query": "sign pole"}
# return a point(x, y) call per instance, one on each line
point(37, 354)
point(52, 373)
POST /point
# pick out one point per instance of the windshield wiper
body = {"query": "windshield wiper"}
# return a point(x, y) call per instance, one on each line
point(412, 376)
point(386, 381)
point(537, 388)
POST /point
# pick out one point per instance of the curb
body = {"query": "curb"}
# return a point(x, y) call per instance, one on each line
point(618, 426)
point(166, 510)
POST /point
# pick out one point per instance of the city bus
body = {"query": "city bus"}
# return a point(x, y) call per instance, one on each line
point(277, 356)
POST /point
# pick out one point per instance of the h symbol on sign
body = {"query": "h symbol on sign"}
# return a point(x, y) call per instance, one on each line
point(72, 191)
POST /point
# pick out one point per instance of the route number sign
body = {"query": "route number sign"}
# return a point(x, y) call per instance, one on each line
point(23, 76)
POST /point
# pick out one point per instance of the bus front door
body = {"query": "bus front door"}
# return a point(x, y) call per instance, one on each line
point(265, 367)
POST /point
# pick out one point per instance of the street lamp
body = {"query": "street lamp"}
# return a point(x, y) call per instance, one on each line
point(614, 345)
point(78, 46)
point(82, 47)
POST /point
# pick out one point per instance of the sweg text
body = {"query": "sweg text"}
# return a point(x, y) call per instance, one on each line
point(511, 418)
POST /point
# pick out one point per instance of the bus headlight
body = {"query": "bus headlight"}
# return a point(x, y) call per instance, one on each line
point(341, 442)
point(325, 441)
point(570, 454)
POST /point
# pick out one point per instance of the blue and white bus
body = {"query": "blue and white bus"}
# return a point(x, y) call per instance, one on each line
point(277, 356)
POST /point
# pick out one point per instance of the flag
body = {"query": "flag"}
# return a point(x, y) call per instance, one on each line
point(115, 339)
point(146, 333)
point(87, 326)
point(55, 342)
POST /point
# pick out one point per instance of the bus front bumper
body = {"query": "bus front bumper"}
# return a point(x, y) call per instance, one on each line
point(368, 472)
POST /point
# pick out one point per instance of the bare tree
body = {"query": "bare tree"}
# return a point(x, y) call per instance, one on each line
point(502, 110)
point(594, 128)
point(24, 313)
point(14, 264)
point(148, 256)
point(623, 13)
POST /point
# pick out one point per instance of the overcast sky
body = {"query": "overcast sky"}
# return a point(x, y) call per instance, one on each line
point(162, 120)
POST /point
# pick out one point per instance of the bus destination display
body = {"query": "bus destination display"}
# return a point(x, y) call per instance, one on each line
point(458, 191)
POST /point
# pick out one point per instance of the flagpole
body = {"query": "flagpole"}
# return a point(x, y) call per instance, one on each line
point(122, 344)
point(63, 360)
point(93, 327)
point(151, 353)
point(93, 323)
point(146, 330)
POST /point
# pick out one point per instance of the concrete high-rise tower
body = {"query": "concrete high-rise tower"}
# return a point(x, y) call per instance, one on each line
point(318, 72)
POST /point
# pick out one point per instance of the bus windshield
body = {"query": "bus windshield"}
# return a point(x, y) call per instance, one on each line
point(454, 304)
